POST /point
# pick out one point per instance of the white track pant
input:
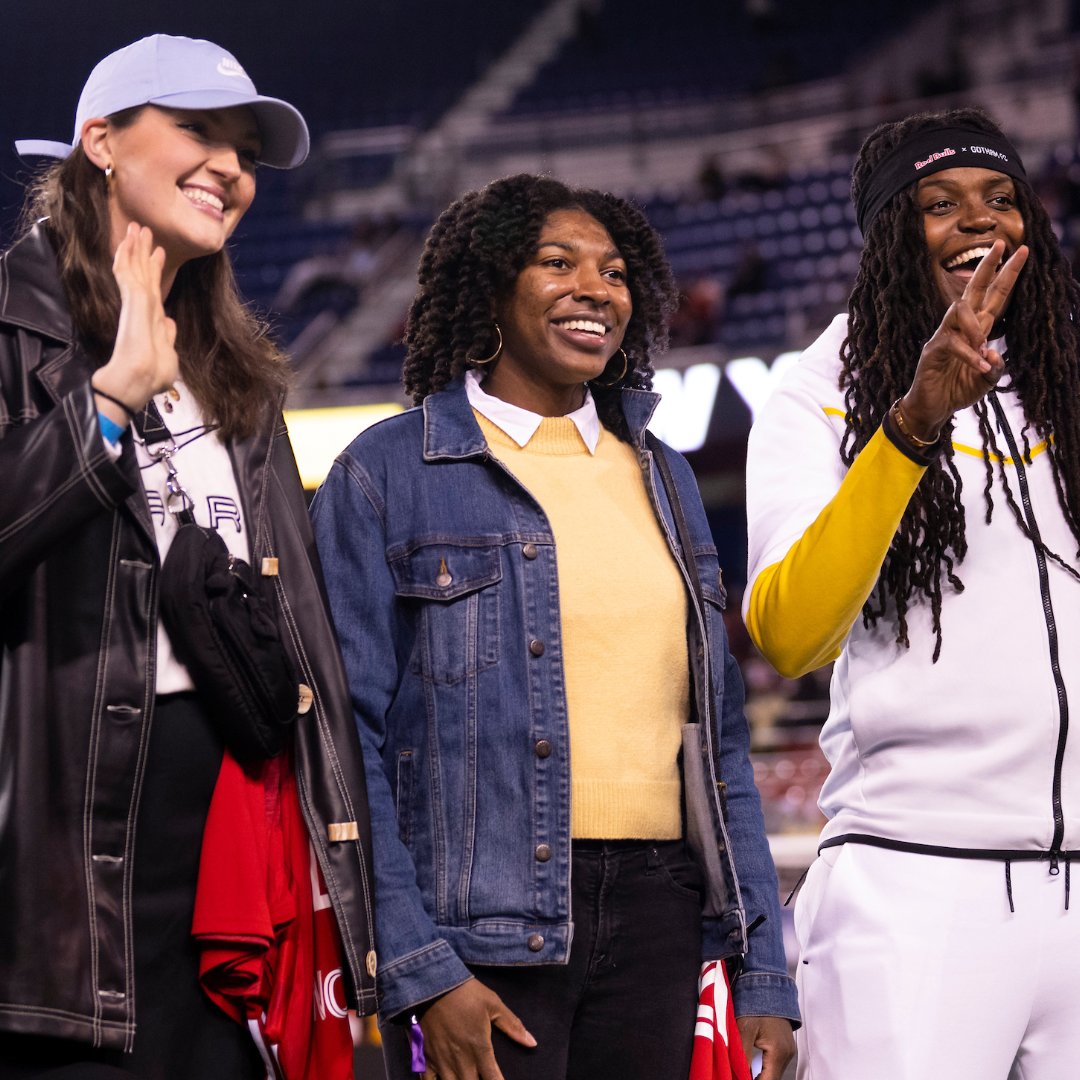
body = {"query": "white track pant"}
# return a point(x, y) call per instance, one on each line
point(912, 966)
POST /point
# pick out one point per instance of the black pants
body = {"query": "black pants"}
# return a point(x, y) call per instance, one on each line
point(179, 1033)
point(625, 1005)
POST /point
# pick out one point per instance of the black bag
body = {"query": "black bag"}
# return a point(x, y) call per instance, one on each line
point(222, 621)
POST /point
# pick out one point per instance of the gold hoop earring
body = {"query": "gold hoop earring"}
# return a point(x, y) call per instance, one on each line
point(622, 374)
point(493, 356)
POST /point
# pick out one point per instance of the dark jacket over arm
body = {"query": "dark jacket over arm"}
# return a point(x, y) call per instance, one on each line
point(78, 618)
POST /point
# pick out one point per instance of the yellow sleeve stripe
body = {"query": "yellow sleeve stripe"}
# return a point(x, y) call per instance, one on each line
point(803, 607)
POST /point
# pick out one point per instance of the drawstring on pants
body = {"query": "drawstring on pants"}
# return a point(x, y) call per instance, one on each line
point(795, 887)
point(1054, 870)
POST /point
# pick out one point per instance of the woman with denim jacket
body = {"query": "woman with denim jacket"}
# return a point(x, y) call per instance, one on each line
point(524, 648)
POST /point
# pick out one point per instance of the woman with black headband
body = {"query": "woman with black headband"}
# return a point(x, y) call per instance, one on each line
point(913, 496)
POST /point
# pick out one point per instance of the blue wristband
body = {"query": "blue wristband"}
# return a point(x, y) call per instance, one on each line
point(110, 428)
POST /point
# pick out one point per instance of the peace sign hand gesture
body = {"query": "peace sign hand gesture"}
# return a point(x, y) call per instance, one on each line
point(956, 367)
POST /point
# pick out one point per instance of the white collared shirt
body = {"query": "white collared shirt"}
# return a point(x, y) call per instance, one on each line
point(519, 423)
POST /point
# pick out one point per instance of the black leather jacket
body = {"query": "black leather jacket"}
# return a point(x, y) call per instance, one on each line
point(78, 614)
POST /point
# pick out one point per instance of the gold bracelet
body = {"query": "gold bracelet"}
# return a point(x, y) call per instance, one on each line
point(901, 426)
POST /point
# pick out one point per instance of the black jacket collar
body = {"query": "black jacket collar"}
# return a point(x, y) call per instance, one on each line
point(31, 293)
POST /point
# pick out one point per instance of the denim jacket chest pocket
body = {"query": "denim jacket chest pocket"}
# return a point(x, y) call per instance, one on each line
point(452, 588)
point(712, 585)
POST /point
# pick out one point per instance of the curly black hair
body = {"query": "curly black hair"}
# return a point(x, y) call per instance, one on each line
point(473, 256)
point(893, 310)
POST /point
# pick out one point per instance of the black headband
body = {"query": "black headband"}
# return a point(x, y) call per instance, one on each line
point(930, 151)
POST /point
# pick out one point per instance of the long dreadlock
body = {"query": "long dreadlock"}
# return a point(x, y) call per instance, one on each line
point(473, 256)
point(892, 312)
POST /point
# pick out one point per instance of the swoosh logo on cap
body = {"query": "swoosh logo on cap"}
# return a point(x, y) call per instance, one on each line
point(228, 66)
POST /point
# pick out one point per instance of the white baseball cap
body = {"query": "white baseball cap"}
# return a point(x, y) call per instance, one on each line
point(182, 73)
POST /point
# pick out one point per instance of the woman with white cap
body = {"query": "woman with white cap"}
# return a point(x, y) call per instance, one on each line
point(118, 308)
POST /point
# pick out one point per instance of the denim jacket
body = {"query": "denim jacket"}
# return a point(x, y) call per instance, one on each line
point(441, 572)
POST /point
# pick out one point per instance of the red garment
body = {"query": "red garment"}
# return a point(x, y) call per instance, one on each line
point(718, 1049)
point(265, 927)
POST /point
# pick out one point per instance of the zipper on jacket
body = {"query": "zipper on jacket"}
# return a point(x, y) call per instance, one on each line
point(1051, 631)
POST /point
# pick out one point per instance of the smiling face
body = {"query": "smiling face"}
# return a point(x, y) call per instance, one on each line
point(963, 212)
point(188, 175)
point(564, 318)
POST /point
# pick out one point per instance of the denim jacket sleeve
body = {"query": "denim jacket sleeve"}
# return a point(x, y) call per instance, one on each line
point(415, 964)
point(762, 986)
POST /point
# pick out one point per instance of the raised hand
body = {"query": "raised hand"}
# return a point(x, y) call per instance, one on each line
point(457, 1033)
point(956, 367)
point(144, 358)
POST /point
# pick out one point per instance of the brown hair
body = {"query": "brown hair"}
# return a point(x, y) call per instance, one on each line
point(226, 358)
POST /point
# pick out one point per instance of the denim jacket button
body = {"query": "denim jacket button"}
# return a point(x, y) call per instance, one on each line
point(542, 748)
point(528, 550)
point(536, 647)
point(535, 942)
point(543, 852)
point(443, 580)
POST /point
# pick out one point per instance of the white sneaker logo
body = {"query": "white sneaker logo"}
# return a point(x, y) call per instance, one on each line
point(228, 66)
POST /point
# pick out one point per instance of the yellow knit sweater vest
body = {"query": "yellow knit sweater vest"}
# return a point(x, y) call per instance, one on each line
point(623, 609)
